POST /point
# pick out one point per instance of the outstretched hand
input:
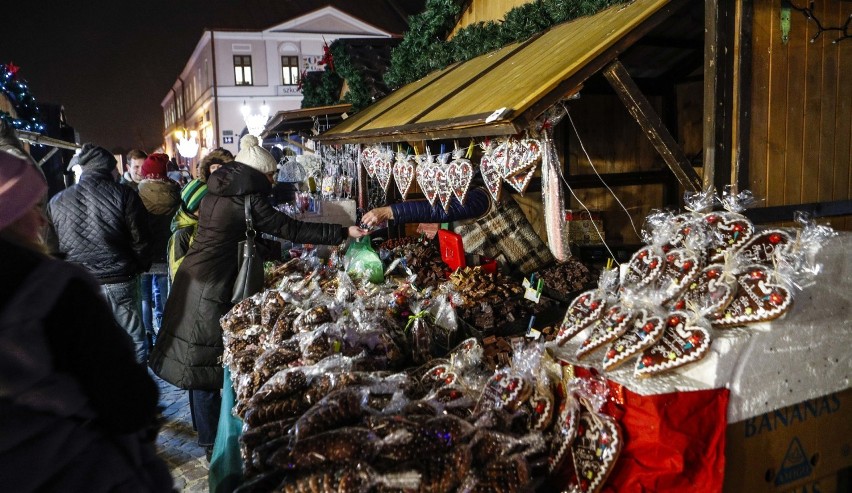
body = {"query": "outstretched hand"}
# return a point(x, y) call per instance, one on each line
point(356, 232)
point(377, 216)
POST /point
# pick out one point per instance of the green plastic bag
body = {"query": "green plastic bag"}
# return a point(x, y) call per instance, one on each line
point(362, 260)
point(226, 465)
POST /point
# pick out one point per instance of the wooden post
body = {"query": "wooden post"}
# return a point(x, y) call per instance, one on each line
point(640, 108)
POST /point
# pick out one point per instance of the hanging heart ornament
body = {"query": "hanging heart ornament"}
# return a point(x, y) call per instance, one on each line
point(442, 180)
point(460, 174)
point(368, 156)
point(403, 173)
point(383, 166)
point(426, 179)
point(519, 156)
point(490, 169)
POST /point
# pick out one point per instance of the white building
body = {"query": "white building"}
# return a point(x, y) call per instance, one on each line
point(229, 69)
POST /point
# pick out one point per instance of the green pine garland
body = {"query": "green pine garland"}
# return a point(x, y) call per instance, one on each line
point(321, 89)
point(423, 51)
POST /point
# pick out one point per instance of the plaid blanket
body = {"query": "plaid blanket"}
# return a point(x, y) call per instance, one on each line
point(506, 235)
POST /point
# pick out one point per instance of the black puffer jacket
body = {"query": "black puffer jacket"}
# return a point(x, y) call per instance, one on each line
point(101, 225)
point(161, 199)
point(189, 345)
point(476, 204)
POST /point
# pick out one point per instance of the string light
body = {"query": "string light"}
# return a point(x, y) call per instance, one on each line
point(17, 91)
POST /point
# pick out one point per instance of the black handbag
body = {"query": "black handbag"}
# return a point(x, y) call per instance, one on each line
point(249, 264)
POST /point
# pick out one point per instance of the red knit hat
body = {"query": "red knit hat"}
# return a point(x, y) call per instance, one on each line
point(154, 166)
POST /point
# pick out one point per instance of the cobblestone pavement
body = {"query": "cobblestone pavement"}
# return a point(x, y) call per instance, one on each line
point(176, 443)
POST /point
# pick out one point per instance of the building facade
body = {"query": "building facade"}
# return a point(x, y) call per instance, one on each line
point(230, 72)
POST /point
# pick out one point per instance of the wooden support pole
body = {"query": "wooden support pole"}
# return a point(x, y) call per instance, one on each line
point(640, 108)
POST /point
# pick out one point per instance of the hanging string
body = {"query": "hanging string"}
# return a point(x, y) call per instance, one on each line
point(594, 225)
point(583, 147)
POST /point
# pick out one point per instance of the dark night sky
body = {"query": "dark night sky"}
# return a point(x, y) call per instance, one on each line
point(110, 63)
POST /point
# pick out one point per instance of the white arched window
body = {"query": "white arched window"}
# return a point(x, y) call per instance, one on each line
point(289, 63)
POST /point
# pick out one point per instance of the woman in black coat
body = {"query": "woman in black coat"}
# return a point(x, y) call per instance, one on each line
point(189, 346)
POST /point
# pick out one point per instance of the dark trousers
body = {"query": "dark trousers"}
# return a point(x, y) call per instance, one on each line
point(204, 407)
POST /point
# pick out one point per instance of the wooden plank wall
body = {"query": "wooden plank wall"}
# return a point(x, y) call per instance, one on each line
point(615, 143)
point(801, 104)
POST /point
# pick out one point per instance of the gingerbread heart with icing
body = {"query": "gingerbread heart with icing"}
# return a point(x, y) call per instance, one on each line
point(682, 343)
point(565, 431)
point(467, 354)
point(491, 175)
point(460, 174)
point(645, 331)
point(606, 329)
point(644, 268)
point(507, 390)
point(403, 173)
point(585, 309)
point(426, 178)
point(595, 449)
point(368, 156)
point(709, 293)
point(729, 231)
point(763, 246)
point(383, 165)
point(680, 269)
point(542, 411)
point(444, 191)
point(756, 299)
point(440, 376)
point(519, 156)
point(521, 181)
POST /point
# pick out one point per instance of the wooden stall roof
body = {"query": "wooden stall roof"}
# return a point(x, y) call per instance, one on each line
point(295, 121)
point(523, 79)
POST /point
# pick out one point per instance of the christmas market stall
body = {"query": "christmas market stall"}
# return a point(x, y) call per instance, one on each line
point(708, 353)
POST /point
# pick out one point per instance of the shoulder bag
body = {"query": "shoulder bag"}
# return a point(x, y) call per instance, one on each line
point(249, 264)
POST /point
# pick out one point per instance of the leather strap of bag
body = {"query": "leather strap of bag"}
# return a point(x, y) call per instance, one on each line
point(250, 232)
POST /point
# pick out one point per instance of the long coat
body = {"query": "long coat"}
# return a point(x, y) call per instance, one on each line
point(189, 346)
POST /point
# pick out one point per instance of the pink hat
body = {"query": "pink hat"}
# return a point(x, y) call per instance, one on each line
point(21, 187)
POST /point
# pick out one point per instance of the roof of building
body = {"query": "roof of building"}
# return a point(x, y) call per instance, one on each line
point(257, 15)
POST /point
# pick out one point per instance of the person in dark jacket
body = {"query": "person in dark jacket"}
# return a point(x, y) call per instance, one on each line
point(477, 203)
point(185, 222)
point(161, 198)
point(78, 411)
point(189, 346)
point(103, 226)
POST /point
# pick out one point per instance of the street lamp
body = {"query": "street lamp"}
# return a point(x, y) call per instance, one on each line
point(255, 122)
point(187, 144)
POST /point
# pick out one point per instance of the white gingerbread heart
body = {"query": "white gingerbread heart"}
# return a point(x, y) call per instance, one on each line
point(460, 174)
point(403, 173)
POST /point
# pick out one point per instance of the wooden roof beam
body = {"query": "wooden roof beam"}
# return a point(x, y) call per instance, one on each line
point(640, 108)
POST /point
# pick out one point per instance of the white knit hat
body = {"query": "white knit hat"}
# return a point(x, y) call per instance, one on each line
point(251, 154)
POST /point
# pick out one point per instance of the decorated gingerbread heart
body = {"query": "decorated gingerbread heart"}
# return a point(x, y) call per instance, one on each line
point(756, 299)
point(595, 449)
point(645, 330)
point(606, 329)
point(491, 175)
point(763, 246)
point(682, 343)
point(644, 268)
point(680, 269)
point(728, 231)
point(521, 181)
point(467, 354)
point(383, 165)
point(585, 309)
point(426, 177)
point(442, 180)
point(518, 156)
point(440, 376)
point(565, 430)
point(460, 174)
point(542, 410)
point(507, 390)
point(403, 173)
point(368, 156)
point(710, 292)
